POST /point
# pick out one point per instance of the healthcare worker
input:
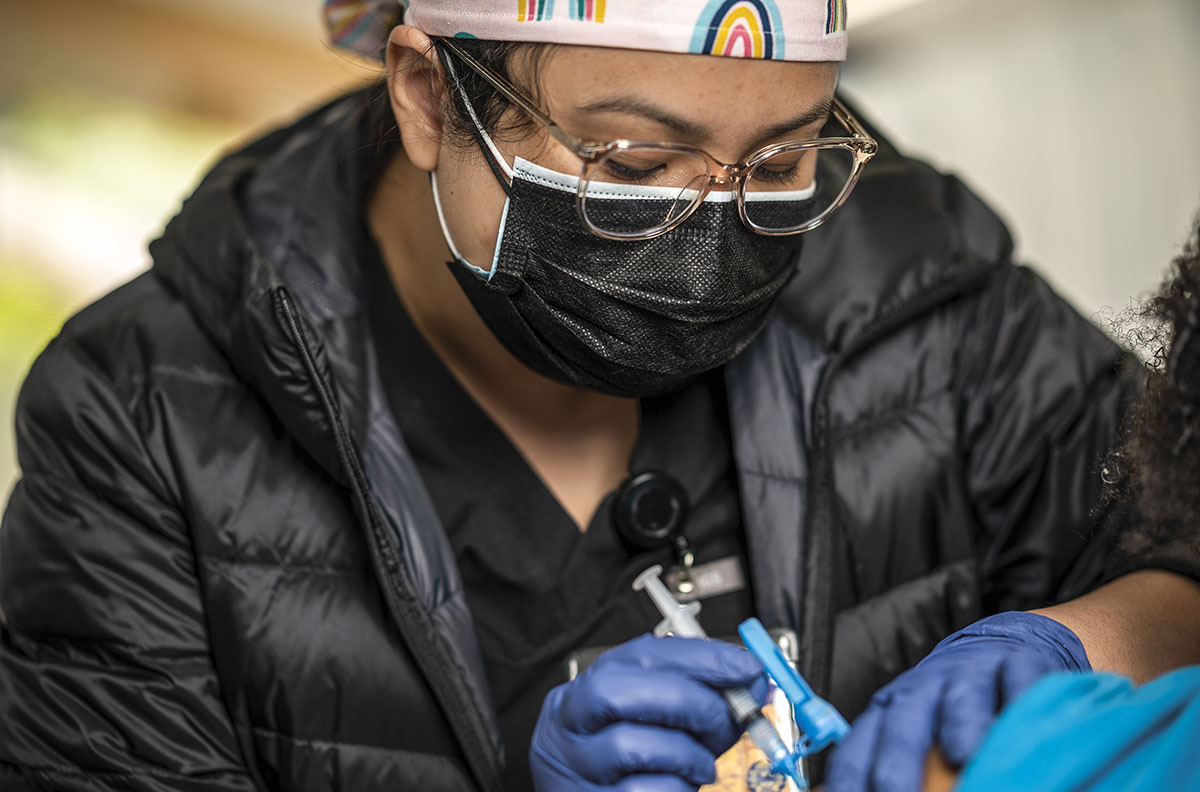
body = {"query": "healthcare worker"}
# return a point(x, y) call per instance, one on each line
point(338, 492)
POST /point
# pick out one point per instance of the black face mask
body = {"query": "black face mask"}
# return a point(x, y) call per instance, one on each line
point(628, 318)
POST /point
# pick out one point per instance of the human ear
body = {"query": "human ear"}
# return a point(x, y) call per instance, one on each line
point(415, 83)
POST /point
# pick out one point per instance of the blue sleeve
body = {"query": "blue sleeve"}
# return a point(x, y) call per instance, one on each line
point(1094, 732)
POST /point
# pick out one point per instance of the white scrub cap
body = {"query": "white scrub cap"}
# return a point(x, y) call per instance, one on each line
point(792, 30)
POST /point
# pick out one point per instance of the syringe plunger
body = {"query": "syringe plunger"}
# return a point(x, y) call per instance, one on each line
point(680, 620)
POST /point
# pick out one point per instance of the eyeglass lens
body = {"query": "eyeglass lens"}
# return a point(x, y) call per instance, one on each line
point(791, 189)
point(784, 192)
point(632, 191)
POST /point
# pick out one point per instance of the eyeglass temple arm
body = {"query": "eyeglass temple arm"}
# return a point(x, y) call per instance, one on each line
point(578, 145)
point(854, 126)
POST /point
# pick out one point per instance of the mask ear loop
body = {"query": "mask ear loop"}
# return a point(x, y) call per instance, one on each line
point(495, 160)
point(437, 205)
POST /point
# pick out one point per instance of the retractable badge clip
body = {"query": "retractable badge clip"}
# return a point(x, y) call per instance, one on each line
point(650, 510)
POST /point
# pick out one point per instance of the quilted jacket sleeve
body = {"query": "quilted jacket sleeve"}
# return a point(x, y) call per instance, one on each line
point(106, 680)
point(1044, 394)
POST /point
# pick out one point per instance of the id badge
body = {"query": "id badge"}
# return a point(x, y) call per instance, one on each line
point(744, 767)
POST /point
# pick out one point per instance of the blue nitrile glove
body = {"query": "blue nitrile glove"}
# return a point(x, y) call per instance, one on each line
point(646, 716)
point(949, 700)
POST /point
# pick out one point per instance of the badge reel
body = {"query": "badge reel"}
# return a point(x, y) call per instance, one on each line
point(649, 511)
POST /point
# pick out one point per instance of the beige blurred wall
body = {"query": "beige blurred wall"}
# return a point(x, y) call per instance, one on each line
point(243, 61)
point(109, 113)
point(1078, 119)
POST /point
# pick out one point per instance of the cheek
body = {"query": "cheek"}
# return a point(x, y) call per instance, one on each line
point(472, 203)
point(473, 200)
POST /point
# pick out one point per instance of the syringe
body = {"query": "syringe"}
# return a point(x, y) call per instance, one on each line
point(680, 620)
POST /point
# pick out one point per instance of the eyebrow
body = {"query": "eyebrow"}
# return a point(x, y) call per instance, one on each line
point(626, 104)
point(818, 112)
point(694, 131)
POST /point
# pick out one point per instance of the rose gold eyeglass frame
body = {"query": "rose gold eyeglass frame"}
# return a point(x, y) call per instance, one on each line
point(858, 144)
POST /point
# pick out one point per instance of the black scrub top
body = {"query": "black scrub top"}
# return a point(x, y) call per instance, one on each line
point(539, 589)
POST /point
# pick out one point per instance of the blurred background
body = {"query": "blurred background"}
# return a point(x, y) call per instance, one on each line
point(1079, 120)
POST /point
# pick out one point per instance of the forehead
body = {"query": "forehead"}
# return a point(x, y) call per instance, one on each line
point(691, 86)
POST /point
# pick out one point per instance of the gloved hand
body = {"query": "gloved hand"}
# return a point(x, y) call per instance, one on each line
point(949, 700)
point(646, 716)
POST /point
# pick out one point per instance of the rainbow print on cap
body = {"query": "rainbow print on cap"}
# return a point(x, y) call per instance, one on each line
point(835, 17)
point(543, 10)
point(534, 10)
point(739, 29)
point(587, 10)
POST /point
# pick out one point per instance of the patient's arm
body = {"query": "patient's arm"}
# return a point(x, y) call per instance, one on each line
point(939, 775)
point(1140, 625)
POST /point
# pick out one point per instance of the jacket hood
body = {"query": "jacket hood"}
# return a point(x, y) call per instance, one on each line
point(862, 268)
point(278, 214)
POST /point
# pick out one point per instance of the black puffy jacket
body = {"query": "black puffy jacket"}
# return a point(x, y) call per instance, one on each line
point(221, 570)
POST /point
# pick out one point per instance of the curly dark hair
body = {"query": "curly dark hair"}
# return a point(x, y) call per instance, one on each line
point(1157, 465)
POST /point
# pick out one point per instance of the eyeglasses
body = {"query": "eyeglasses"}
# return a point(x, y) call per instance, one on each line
point(784, 188)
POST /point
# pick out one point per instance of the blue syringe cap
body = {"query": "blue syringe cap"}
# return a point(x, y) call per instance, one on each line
point(820, 723)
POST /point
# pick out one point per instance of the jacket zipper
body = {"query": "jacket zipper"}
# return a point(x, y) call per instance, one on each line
point(820, 601)
point(407, 614)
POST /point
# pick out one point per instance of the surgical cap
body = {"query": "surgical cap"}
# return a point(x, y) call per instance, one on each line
point(793, 30)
